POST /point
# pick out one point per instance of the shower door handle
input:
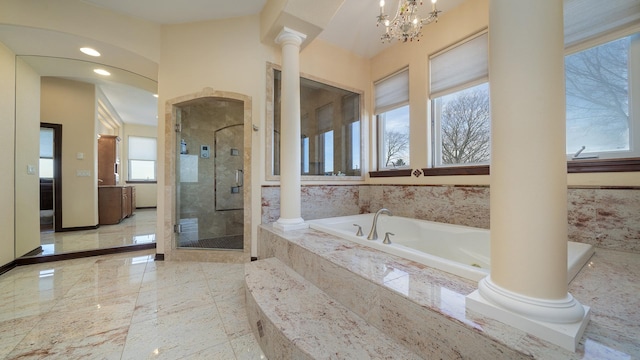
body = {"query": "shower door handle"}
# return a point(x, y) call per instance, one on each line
point(239, 178)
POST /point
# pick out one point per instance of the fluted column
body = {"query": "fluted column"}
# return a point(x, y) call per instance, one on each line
point(528, 282)
point(290, 218)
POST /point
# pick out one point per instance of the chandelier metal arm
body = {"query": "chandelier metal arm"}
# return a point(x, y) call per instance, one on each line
point(406, 25)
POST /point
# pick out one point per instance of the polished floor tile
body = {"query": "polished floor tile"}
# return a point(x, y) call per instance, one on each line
point(138, 229)
point(125, 306)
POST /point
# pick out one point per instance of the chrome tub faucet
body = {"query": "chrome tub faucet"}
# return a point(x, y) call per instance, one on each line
point(373, 234)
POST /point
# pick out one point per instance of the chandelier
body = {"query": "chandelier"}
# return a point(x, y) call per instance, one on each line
point(406, 24)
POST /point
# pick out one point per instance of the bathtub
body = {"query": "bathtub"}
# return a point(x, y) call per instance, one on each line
point(459, 250)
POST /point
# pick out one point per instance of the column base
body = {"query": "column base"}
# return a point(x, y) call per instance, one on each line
point(290, 224)
point(544, 319)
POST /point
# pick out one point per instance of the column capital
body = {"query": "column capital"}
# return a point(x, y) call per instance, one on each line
point(290, 36)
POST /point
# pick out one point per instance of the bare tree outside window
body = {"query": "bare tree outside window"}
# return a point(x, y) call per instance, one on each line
point(597, 89)
point(396, 146)
point(465, 126)
point(394, 138)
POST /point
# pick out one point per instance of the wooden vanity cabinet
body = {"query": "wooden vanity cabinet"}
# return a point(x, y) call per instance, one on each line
point(115, 203)
point(108, 159)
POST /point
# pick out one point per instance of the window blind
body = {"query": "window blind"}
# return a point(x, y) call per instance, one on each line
point(586, 19)
point(461, 66)
point(324, 117)
point(142, 148)
point(392, 92)
point(46, 143)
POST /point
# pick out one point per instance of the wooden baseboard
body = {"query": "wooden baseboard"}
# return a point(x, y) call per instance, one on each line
point(7, 267)
point(34, 252)
point(80, 228)
point(28, 260)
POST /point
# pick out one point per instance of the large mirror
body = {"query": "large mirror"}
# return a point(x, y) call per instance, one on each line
point(330, 126)
point(63, 109)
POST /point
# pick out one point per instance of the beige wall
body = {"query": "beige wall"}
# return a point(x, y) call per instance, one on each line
point(227, 55)
point(224, 55)
point(7, 115)
point(73, 104)
point(145, 193)
point(27, 207)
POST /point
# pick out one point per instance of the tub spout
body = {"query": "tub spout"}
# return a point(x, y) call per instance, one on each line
point(373, 234)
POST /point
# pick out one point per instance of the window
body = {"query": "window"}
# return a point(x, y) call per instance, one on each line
point(142, 158)
point(392, 116)
point(46, 153)
point(602, 68)
point(459, 91)
point(329, 129)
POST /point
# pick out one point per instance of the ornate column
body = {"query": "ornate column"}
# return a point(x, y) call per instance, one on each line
point(527, 287)
point(290, 218)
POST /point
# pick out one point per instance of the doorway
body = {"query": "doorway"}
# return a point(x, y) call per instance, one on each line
point(210, 174)
point(50, 174)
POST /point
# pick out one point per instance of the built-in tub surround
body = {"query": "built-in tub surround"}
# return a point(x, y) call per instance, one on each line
point(605, 217)
point(424, 308)
point(456, 249)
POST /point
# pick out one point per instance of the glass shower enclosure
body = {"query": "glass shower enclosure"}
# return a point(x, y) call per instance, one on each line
point(209, 174)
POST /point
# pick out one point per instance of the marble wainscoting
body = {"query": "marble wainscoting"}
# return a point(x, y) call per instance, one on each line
point(318, 202)
point(607, 218)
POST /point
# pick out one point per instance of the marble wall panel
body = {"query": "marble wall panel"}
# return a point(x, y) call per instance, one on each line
point(318, 202)
point(605, 218)
point(618, 219)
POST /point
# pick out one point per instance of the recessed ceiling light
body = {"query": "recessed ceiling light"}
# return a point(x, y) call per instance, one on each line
point(155, 95)
point(89, 51)
point(101, 72)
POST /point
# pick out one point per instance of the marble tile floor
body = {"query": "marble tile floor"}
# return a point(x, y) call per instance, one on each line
point(138, 229)
point(125, 306)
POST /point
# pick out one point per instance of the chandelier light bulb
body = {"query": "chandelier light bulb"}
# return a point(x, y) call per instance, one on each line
point(406, 24)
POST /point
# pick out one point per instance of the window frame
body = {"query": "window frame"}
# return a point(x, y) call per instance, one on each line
point(599, 165)
point(130, 180)
point(400, 99)
point(271, 134)
point(633, 95)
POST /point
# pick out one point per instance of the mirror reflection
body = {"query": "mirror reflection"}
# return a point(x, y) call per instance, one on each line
point(91, 195)
point(330, 129)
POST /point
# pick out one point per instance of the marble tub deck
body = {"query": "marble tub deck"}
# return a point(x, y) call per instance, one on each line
point(609, 284)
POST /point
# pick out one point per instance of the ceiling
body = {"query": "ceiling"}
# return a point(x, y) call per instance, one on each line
point(353, 28)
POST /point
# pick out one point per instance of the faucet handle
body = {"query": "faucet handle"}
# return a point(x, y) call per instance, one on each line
point(359, 233)
point(387, 240)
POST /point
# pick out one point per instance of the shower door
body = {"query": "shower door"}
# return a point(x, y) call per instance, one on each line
point(209, 175)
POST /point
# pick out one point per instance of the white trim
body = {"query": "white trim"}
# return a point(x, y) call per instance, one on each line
point(561, 322)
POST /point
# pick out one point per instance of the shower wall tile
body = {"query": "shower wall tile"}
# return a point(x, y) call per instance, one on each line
point(605, 218)
point(208, 104)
